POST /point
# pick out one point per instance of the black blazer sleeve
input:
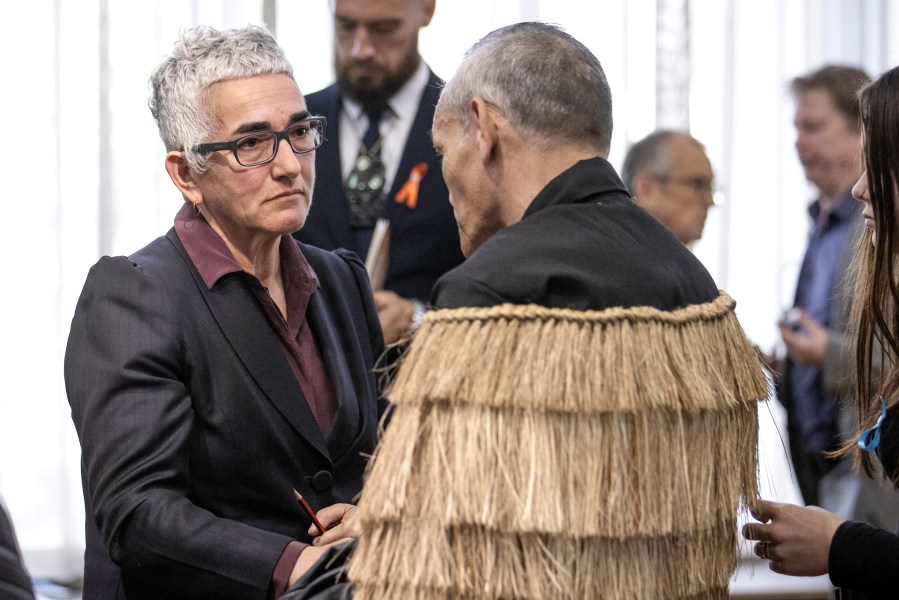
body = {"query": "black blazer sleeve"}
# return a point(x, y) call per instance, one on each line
point(865, 559)
point(134, 415)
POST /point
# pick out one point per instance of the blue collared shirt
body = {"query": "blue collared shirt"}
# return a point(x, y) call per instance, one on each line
point(819, 286)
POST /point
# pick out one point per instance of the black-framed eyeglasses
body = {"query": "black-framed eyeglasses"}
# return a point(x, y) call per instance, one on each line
point(699, 185)
point(261, 147)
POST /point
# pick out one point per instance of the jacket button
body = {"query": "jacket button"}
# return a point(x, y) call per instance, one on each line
point(322, 481)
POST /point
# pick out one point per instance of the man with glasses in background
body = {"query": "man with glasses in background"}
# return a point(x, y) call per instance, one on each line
point(669, 174)
point(380, 163)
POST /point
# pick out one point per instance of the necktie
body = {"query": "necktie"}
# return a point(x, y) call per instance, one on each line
point(372, 133)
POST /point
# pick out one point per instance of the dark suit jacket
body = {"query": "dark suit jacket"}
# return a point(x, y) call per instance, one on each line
point(14, 581)
point(582, 244)
point(424, 242)
point(193, 428)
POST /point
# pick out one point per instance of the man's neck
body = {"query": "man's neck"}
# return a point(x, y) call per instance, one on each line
point(533, 171)
point(832, 192)
point(829, 202)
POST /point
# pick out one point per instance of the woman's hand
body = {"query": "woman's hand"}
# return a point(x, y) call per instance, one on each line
point(338, 522)
point(796, 539)
point(395, 314)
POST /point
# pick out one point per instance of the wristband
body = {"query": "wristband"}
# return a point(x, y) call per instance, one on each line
point(417, 315)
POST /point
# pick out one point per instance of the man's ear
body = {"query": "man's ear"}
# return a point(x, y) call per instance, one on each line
point(427, 12)
point(183, 178)
point(485, 119)
point(644, 186)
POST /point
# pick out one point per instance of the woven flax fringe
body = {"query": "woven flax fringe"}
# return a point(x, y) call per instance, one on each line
point(546, 453)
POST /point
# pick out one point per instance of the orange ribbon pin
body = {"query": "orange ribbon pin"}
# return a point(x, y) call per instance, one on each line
point(408, 194)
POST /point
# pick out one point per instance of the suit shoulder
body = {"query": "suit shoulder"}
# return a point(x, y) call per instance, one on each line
point(315, 253)
point(163, 246)
point(164, 257)
point(155, 269)
point(337, 261)
point(155, 256)
point(317, 101)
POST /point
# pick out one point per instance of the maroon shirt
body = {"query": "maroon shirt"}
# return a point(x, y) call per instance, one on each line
point(214, 260)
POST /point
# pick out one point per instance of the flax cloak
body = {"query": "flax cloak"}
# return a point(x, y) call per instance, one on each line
point(546, 453)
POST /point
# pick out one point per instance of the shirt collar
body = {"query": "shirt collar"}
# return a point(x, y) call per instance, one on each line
point(845, 209)
point(582, 182)
point(214, 260)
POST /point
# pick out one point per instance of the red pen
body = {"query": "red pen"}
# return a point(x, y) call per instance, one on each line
point(309, 511)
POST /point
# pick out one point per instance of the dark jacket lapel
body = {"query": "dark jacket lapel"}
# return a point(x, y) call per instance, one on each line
point(248, 332)
point(346, 420)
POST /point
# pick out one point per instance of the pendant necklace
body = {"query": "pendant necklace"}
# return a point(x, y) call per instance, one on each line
point(364, 186)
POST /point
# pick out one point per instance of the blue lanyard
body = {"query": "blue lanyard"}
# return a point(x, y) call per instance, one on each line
point(870, 438)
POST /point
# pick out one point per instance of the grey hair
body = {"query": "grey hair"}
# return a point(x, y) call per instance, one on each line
point(647, 155)
point(201, 57)
point(541, 78)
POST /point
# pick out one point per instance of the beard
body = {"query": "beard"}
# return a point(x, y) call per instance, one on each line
point(373, 99)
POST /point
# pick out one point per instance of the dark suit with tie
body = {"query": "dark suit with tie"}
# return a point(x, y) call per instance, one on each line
point(194, 429)
point(424, 241)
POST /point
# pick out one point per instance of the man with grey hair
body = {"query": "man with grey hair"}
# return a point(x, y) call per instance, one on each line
point(223, 372)
point(542, 215)
point(524, 128)
point(669, 174)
